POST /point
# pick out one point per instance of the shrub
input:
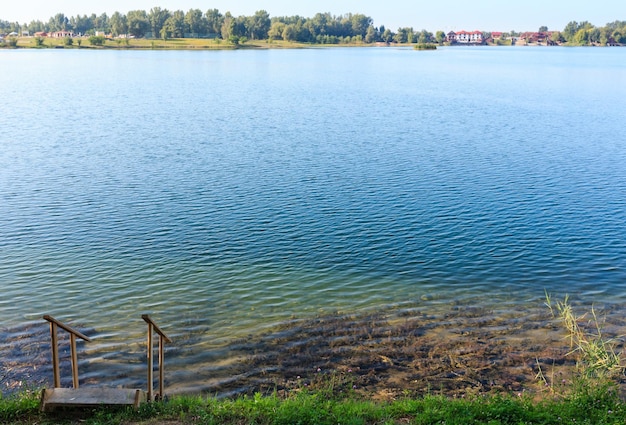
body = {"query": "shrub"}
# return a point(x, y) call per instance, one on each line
point(96, 40)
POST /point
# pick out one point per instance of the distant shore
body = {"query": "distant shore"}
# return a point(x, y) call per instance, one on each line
point(206, 44)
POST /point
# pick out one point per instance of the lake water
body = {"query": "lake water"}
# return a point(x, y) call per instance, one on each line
point(229, 192)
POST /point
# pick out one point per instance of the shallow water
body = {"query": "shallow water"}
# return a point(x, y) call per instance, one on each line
point(230, 193)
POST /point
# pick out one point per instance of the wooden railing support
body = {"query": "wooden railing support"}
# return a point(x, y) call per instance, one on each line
point(162, 340)
point(54, 325)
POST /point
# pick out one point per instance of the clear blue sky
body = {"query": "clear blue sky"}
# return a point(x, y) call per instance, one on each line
point(432, 15)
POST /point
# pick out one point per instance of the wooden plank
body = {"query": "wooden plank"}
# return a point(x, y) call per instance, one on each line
point(90, 397)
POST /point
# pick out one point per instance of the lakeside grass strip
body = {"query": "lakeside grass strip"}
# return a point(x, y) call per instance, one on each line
point(589, 405)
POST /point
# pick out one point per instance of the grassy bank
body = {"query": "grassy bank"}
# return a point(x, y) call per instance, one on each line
point(167, 44)
point(586, 405)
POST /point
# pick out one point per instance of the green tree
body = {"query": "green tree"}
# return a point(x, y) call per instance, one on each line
point(214, 20)
point(276, 30)
point(359, 24)
point(425, 37)
point(228, 26)
point(571, 30)
point(119, 24)
point(258, 25)
point(58, 23)
point(100, 23)
point(290, 32)
point(157, 18)
point(440, 37)
point(138, 23)
point(402, 35)
point(581, 37)
point(35, 26)
point(175, 25)
point(387, 36)
point(80, 24)
point(543, 28)
point(371, 35)
point(195, 22)
point(556, 37)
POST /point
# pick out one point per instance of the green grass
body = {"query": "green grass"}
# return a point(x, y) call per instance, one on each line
point(586, 405)
point(597, 358)
point(160, 44)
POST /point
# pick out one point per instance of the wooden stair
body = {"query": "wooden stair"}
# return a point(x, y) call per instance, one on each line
point(90, 397)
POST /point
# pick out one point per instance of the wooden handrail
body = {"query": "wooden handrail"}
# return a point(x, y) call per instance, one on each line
point(54, 324)
point(158, 330)
point(65, 327)
point(162, 340)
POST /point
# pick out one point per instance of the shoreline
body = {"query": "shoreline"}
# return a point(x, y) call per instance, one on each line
point(79, 43)
point(462, 352)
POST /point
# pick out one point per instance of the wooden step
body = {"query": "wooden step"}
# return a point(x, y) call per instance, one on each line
point(90, 397)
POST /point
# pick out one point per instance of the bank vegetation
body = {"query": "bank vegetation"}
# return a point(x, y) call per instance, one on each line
point(226, 29)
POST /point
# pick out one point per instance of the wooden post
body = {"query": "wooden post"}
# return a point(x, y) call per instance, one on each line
point(74, 360)
point(161, 373)
point(55, 355)
point(150, 365)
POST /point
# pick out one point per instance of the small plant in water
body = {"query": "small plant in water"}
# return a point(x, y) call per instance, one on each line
point(598, 357)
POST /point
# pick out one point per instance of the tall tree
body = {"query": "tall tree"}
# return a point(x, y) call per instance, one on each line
point(100, 23)
point(228, 28)
point(371, 35)
point(157, 18)
point(440, 37)
point(138, 23)
point(175, 25)
point(58, 22)
point(359, 24)
point(214, 20)
point(276, 30)
point(119, 24)
point(258, 25)
point(195, 22)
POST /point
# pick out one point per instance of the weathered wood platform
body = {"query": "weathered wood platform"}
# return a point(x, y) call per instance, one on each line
point(90, 397)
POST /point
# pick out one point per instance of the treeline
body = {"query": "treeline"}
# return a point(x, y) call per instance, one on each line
point(162, 23)
point(323, 28)
point(584, 33)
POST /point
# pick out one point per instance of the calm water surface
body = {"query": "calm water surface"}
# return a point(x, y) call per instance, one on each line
point(228, 192)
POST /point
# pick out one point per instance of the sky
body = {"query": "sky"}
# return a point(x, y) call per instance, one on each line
point(431, 15)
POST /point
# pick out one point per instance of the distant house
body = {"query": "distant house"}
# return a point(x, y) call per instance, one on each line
point(62, 34)
point(41, 34)
point(464, 37)
point(536, 37)
point(496, 34)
